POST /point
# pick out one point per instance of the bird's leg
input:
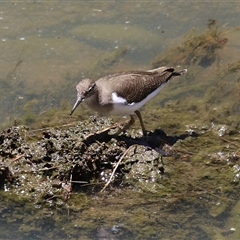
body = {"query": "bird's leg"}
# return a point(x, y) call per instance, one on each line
point(141, 122)
point(127, 125)
point(132, 121)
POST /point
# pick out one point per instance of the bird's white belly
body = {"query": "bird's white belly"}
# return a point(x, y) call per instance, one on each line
point(121, 107)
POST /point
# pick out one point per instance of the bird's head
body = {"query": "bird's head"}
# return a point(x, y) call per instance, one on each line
point(85, 89)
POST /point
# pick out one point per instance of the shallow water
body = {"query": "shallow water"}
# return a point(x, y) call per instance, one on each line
point(47, 47)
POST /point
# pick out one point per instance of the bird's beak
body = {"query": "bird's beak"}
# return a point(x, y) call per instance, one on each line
point(79, 100)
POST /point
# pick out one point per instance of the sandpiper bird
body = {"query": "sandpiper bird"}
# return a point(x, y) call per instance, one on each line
point(123, 93)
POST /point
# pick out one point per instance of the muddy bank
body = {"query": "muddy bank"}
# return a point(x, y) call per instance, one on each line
point(122, 185)
point(75, 157)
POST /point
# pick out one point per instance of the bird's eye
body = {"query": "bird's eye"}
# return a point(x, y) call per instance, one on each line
point(91, 88)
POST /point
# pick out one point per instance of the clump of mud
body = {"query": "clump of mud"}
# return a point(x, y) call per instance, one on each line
point(50, 163)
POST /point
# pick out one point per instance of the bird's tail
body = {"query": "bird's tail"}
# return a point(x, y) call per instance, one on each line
point(169, 69)
point(179, 73)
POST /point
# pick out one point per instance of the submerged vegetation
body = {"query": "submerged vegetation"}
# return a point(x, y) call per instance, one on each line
point(195, 49)
point(63, 174)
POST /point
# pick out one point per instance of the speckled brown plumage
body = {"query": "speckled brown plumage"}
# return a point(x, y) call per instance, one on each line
point(136, 85)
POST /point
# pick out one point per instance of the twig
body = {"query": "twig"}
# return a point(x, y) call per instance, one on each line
point(233, 143)
point(67, 188)
point(46, 169)
point(114, 170)
point(100, 131)
point(92, 184)
point(52, 197)
point(16, 159)
point(80, 182)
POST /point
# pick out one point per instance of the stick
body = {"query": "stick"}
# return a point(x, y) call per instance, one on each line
point(114, 170)
point(16, 159)
point(100, 131)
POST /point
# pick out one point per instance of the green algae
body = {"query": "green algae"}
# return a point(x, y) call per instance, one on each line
point(196, 49)
point(30, 102)
point(232, 223)
point(116, 34)
point(213, 232)
point(106, 61)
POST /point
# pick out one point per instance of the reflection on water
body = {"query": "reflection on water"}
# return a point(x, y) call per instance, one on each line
point(46, 48)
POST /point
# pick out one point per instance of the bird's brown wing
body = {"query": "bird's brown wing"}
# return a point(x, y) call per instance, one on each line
point(136, 85)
